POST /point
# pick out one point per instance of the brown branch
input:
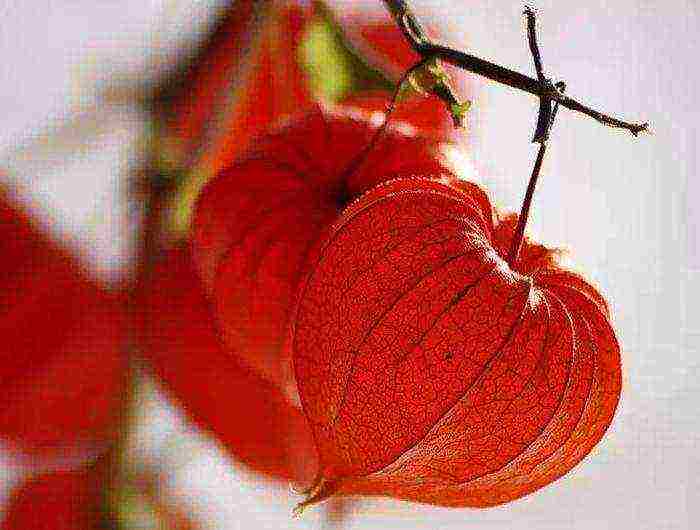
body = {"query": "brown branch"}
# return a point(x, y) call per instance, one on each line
point(422, 44)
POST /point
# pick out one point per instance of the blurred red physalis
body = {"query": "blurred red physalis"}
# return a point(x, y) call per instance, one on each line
point(250, 416)
point(62, 357)
point(67, 500)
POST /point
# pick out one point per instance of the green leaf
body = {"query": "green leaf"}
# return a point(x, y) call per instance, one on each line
point(459, 112)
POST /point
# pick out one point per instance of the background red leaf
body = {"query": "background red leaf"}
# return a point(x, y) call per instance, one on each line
point(210, 77)
point(62, 357)
point(430, 370)
point(247, 77)
point(69, 500)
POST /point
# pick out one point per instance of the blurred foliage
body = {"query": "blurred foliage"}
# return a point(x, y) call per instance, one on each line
point(335, 70)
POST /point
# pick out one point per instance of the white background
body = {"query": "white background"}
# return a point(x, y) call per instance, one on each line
point(622, 206)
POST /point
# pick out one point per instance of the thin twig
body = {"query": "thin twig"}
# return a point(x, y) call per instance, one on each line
point(545, 122)
point(360, 157)
point(532, 41)
point(422, 44)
